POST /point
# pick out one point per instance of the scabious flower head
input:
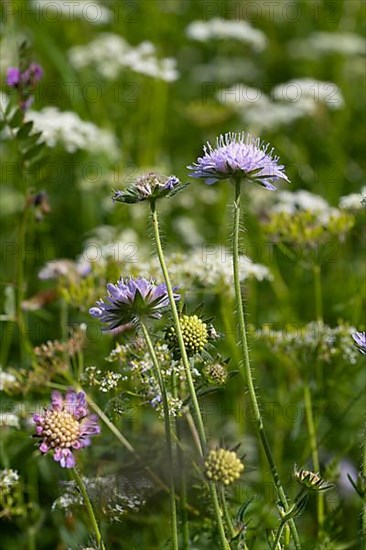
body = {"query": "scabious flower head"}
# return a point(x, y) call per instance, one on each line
point(223, 466)
point(150, 186)
point(360, 341)
point(311, 480)
point(239, 156)
point(194, 332)
point(216, 373)
point(65, 426)
point(130, 300)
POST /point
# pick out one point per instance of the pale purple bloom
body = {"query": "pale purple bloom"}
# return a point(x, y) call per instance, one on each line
point(151, 187)
point(171, 183)
point(130, 300)
point(33, 74)
point(13, 76)
point(65, 426)
point(360, 341)
point(239, 156)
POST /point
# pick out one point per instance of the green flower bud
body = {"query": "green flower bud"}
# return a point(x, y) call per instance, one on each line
point(311, 480)
point(223, 466)
point(216, 373)
point(194, 331)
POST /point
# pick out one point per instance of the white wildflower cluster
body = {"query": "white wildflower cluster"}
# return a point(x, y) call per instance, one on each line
point(217, 28)
point(64, 268)
point(291, 202)
point(113, 496)
point(67, 129)
point(9, 420)
point(354, 201)
point(104, 381)
point(315, 338)
point(8, 478)
point(7, 380)
point(325, 43)
point(105, 243)
point(305, 220)
point(208, 267)
point(88, 10)
point(175, 406)
point(309, 91)
point(138, 362)
point(110, 54)
point(286, 103)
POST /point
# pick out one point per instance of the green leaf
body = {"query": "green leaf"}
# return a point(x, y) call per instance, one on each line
point(24, 130)
point(30, 142)
point(33, 151)
point(17, 119)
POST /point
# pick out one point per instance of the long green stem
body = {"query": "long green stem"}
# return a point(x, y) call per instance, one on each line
point(314, 450)
point(192, 391)
point(168, 434)
point(228, 520)
point(89, 508)
point(23, 337)
point(245, 369)
point(182, 470)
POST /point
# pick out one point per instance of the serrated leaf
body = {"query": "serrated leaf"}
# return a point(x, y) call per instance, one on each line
point(8, 109)
point(24, 130)
point(34, 151)
point(30, 142)
point(16, 119)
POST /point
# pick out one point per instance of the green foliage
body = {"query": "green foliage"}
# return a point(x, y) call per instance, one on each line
point(48, 339)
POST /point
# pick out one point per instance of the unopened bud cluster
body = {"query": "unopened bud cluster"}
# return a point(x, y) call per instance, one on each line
point(216, 373)
point(223, 466)
point(311, 480)
point(194, 332)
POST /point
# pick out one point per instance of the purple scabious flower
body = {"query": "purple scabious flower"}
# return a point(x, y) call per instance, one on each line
point(360, 341)
point(130, 300)
point(239, 156)
point(65, 426)
point(13, 77)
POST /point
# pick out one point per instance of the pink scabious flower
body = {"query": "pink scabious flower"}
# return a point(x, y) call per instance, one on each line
point(239, 156)
point(65, 426)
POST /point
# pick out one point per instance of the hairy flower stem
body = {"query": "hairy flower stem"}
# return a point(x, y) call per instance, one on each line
point(228, 520)
point(75, 474)
point(180, 459)
point(178, 331)
point(168, 434)
point(307, 396)
point(245, 369)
